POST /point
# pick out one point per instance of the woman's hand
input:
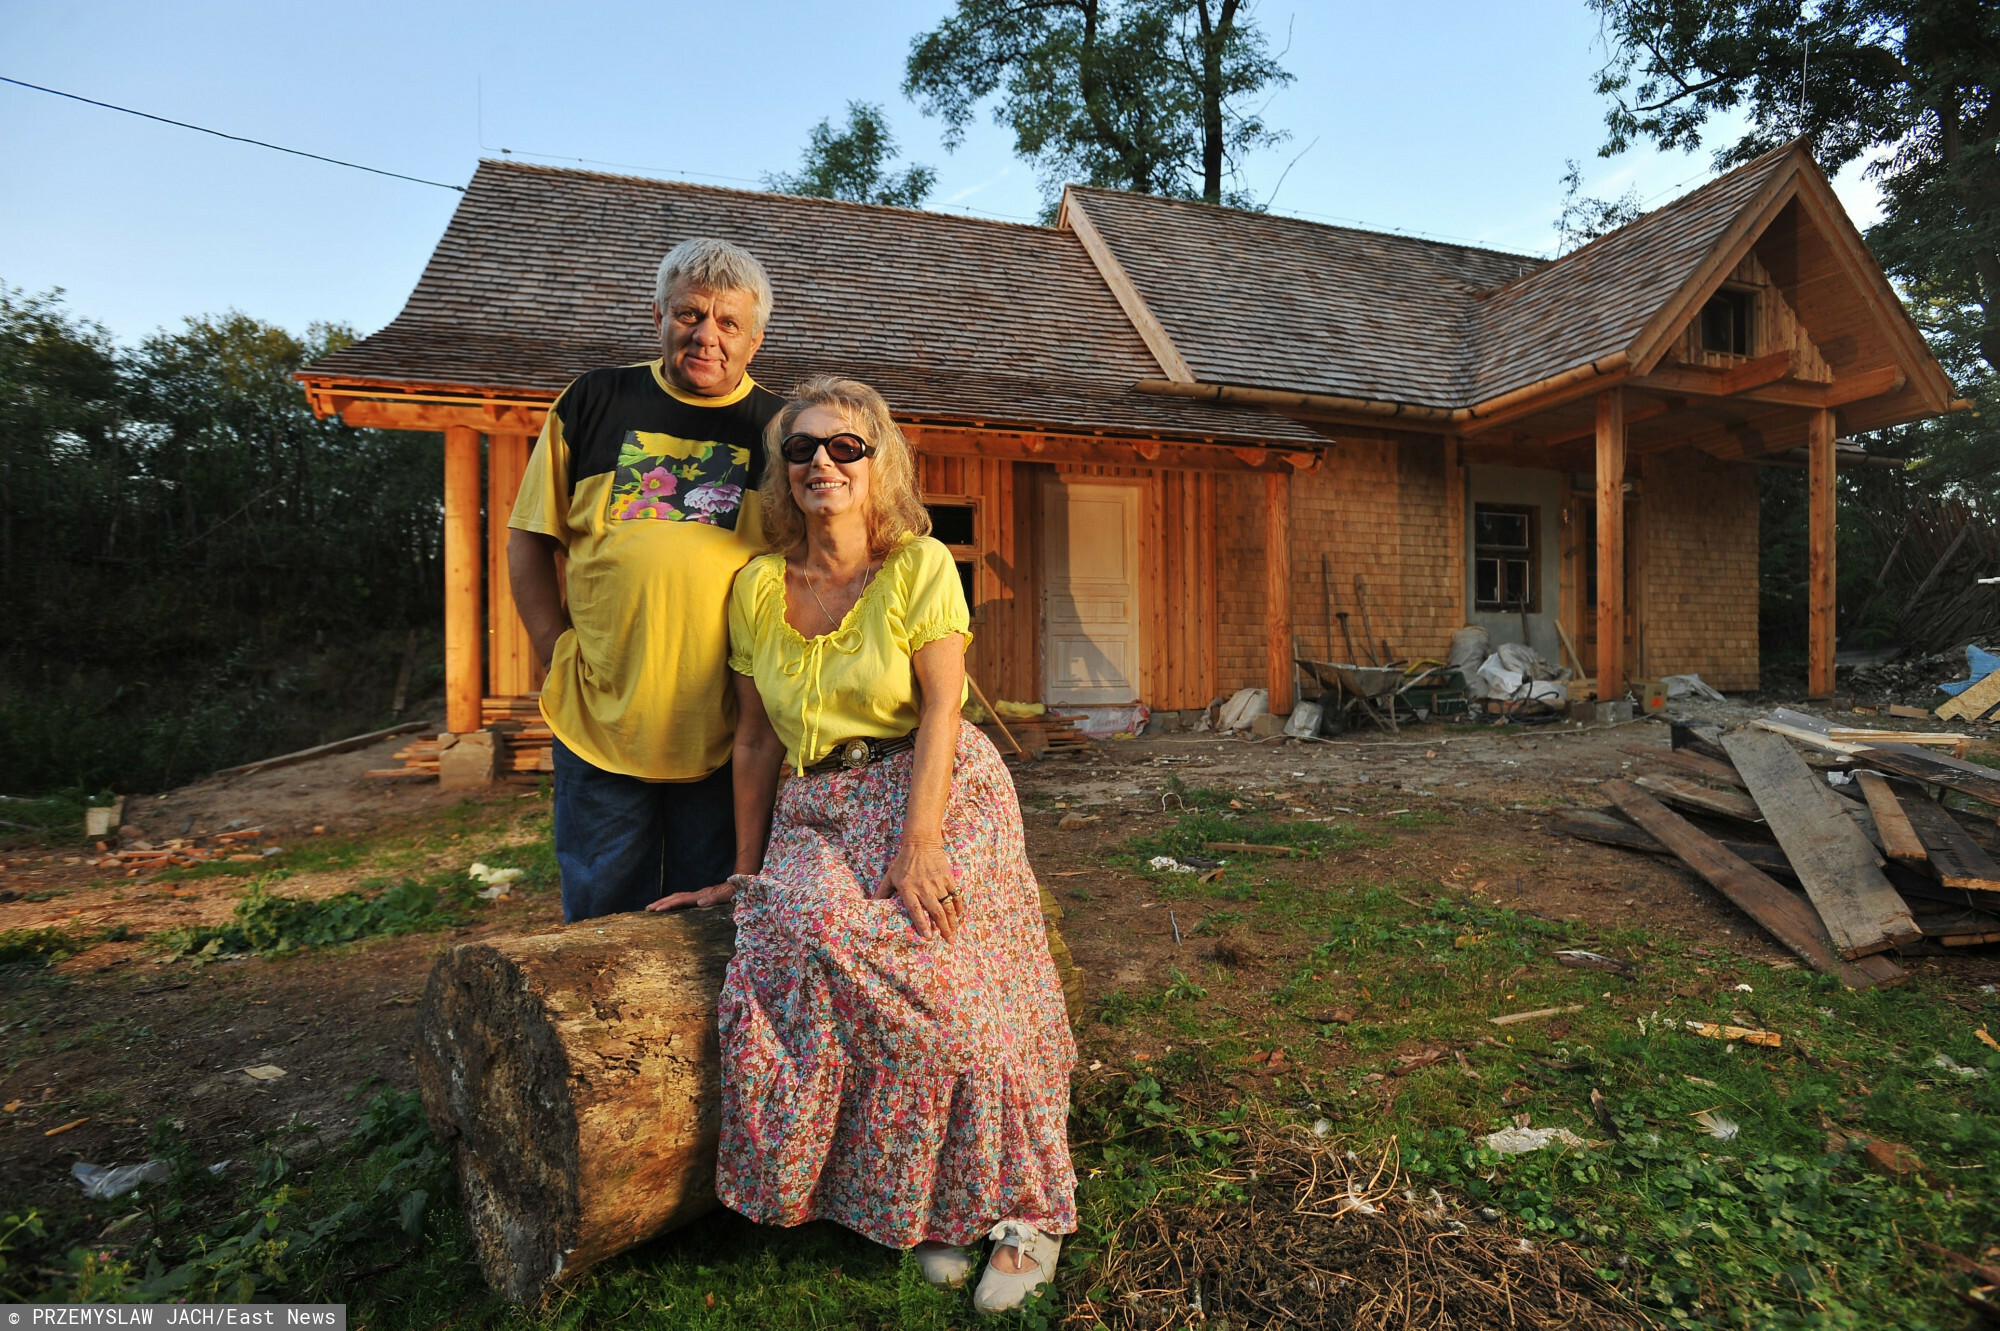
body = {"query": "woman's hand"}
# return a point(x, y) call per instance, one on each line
point(708, 896)
point(921, 876)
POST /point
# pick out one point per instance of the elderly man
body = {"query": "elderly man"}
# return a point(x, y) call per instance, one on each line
point(645, 476)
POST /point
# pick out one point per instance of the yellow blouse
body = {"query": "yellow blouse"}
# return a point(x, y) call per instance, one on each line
point(857, 680)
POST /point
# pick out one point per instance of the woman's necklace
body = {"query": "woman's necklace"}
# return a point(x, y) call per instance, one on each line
point(867, 575)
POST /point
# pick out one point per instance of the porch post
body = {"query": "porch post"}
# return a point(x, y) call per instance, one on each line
point(464, 556)
point(1278, 589)
point(1611, 545)
point(1820, 553)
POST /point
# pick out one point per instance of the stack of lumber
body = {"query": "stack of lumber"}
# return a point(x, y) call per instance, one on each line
point(529, 739)
point(524, 740)
point(1841, 872)
point(1051, 732)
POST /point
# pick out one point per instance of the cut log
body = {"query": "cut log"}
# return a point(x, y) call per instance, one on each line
point(1835, 863)
point(576, 1078)
point(1788, 917)
point(1701, 799)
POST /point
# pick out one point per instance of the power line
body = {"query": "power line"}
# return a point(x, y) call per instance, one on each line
point(236, 138)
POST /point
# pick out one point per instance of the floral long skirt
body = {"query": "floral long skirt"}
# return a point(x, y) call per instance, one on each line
point(904, 1088)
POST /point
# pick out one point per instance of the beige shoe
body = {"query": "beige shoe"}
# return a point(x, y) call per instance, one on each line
point(1000, 1291)
point(944, 1264)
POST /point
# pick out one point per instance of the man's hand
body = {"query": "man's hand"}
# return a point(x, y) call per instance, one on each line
point(921, 876)
point(708, 896)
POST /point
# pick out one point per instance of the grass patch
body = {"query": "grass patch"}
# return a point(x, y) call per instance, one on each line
point(267, 923)
point(1769, 1228)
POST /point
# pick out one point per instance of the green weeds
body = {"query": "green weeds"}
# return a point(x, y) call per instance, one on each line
point(266, 923)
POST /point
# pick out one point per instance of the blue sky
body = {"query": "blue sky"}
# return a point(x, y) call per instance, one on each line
point(1436, 117)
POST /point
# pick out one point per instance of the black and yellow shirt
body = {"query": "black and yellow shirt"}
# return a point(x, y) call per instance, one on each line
point(653, 493)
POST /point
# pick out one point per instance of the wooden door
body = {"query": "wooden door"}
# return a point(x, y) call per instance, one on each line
point(1090, 598)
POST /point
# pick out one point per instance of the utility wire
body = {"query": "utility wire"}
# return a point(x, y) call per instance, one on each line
point(237, 138)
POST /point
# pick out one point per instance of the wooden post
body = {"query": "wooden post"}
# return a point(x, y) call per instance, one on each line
point(464, 563)
point(1611, 545)
point(1820, 553)
point(1278, 589)
point(511, 666)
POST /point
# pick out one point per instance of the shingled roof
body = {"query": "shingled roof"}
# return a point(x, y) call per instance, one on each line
point(1276, 302)
point(544, 273)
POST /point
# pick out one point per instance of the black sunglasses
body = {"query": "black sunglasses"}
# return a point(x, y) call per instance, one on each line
point(800, 448)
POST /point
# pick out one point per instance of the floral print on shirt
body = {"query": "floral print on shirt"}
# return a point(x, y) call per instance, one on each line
point(668, 479)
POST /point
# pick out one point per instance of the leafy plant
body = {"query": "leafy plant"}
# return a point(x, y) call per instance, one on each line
point(263, 922)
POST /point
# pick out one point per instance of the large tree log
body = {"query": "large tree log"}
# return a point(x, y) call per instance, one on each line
point(575, 1076)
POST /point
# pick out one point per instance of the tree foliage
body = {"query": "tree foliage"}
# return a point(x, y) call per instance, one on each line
point(1584, 218)
point(1147, 95)
point(193, 570)
point(1908, 84)
point(851, 163)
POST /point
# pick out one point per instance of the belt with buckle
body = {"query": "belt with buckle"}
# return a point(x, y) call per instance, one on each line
point(854, 754)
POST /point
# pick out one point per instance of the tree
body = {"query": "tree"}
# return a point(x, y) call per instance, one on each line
point(1145, 95)
point(1583, 218)
point(1911, 82)
point(848, 164)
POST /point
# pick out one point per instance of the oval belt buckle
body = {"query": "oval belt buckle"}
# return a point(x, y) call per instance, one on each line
point(855, 755)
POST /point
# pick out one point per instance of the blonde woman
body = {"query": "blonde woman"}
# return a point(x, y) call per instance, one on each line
point(895, 1053)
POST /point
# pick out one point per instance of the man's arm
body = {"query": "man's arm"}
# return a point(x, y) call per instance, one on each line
point(531, 569)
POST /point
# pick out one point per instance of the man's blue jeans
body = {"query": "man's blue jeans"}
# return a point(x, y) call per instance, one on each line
point(623, 843)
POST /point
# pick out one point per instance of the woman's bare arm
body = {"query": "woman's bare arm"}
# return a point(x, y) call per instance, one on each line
point(921, 874)
point(754, 763)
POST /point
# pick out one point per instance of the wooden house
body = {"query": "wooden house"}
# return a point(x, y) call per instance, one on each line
point(1172, 443)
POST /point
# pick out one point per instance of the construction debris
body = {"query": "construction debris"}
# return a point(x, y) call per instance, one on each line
point(1836, 840)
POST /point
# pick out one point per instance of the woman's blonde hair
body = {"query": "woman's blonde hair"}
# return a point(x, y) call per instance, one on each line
point(894, 510)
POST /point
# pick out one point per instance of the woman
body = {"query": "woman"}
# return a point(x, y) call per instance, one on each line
point(895, 1052)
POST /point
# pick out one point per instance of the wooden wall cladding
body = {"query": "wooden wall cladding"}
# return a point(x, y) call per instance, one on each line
point(511, 667)
point(1177, 558)
point(1699, 576)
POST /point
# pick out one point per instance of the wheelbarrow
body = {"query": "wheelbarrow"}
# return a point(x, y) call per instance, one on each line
point(1370, 689)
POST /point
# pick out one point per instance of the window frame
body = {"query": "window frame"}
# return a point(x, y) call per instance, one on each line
point(1532, 515)
point(974, 554)
point(1742, 303)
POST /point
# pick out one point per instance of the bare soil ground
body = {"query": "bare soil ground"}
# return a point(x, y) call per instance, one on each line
point(109, 1041)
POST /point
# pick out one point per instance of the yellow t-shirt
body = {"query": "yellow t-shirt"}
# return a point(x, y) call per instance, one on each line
point(652, 493)
point(857, 681)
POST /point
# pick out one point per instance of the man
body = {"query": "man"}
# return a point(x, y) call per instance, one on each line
point(645, 477)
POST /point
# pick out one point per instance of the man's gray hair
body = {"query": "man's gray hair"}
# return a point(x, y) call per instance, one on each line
point(715, 265)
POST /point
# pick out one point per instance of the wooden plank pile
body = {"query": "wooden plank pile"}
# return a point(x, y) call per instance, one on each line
point(523, 738)
point(1844, 845)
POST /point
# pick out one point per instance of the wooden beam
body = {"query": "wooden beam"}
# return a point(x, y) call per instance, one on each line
point(1611, 545)
point(380, 414)
point(1278, 591)
point(1820, 554)
point(1151, 331)
point(464, 561)
point(1104, 451)
point(1836, 865)
point(512, 668)
point(1789, 919)
point(1899, 839)
point(1704, 381)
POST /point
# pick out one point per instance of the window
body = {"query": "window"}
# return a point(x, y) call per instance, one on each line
point(1505, 569)
point(955, 523)
point(1726, 322)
